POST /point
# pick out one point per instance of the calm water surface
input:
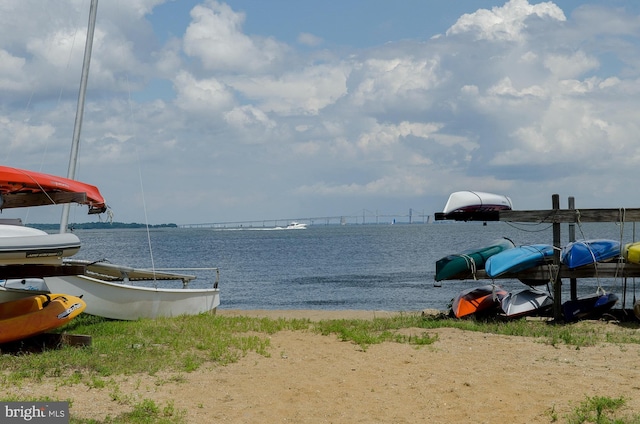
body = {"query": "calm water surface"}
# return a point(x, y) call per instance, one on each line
point(380, 267)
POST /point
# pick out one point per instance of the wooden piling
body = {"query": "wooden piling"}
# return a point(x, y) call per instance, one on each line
point(557, 283)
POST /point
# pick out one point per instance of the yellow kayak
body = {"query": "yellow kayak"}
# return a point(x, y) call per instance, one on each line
point(631, 252)
point(34, 315)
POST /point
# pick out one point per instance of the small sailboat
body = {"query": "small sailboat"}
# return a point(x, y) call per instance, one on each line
point(476, 300)
point(107, 289)
point(467, 262)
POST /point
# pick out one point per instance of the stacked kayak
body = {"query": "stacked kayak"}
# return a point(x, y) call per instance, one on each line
point(588, 252)
point(526, 302)
point(467, 262)
point(518, 259)
point(631, 252)
point(501, 258)
point(589, 307)
point(476, 300)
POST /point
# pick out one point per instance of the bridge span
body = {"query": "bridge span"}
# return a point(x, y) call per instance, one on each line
point(366, 217)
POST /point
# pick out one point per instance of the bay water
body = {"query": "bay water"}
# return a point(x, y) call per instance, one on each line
point(332, 267)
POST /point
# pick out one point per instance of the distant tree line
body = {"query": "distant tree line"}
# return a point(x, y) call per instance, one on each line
point(100, 226)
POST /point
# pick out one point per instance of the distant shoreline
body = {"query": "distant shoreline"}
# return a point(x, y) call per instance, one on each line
point(101, 226)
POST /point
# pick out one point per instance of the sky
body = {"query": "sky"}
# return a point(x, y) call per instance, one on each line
point(247, 110)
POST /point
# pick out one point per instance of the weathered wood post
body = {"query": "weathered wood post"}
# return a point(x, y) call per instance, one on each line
point(572, 237)
point(557, 284)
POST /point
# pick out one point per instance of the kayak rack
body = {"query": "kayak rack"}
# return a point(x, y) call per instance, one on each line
point(557, 216)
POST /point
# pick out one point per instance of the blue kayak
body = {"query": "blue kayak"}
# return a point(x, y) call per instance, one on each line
point(590, 307)
point(588, 252)
point(518, 259)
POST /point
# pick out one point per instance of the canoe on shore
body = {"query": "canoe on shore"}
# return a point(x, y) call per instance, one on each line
point(467, 262)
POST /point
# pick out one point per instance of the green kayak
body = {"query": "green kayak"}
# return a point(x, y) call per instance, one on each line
point(464, 264)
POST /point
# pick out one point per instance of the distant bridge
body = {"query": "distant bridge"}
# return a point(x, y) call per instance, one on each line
point(367, 217)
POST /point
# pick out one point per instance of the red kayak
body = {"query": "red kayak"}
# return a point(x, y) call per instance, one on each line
point(21, 188)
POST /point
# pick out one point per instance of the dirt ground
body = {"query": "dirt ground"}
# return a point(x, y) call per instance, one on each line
point(464, 377)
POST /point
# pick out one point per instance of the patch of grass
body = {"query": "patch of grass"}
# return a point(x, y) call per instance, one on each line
point(601, 410)
point(143, 347)
point(145, 412)
point(377, 330)
point(130, 347)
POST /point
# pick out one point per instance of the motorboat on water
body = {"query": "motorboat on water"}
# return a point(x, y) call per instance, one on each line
point(296, 226)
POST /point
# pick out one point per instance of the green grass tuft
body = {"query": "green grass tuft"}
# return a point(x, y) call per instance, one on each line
point(601, 410)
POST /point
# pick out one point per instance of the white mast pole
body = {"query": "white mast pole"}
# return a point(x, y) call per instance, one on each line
point(73, 159)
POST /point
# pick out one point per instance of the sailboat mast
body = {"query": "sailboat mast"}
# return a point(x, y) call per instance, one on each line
point(73, 159)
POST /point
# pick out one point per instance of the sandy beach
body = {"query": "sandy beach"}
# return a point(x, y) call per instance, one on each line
point(463, 377)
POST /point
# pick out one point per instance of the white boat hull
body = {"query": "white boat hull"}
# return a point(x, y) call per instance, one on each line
point(24, 245)
point(15, 289)
point(476, 201)
point(525, 302)
point(126, 302)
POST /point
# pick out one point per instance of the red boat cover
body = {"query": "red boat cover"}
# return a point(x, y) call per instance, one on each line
point(15, 181)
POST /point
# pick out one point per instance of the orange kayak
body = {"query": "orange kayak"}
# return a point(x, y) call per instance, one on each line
point(478, 299)
point(18, 181)
point(29, 316)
